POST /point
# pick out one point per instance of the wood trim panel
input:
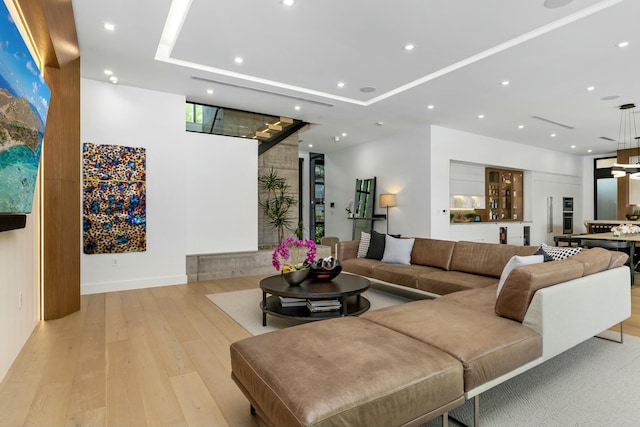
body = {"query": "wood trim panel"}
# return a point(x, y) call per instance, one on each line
point(52, 27)
point(61, 208)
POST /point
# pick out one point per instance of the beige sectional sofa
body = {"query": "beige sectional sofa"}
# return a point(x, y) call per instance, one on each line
point(438, 267)
point(410, 363)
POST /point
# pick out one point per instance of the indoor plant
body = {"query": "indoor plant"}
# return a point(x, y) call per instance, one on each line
point(287, 258)
point(276, 201)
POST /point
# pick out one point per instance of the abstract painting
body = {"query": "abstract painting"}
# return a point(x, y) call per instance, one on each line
point(24, 103)
point(114, 199)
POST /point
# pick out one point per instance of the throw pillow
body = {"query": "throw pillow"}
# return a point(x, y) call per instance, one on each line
point(397, 251)
point(517, 261)
point(546, 256)
point(376, 246)
point(363, 246)
point(559, 253)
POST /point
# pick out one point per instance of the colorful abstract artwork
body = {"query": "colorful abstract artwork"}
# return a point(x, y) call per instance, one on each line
point(24, 103)
point(114, 199)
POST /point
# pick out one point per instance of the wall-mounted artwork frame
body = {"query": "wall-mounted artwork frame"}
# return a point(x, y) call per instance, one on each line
point(24, 104)
point(114, 199)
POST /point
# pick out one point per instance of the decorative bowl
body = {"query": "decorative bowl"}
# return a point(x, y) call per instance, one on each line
point(324, 270)
point(295, 277)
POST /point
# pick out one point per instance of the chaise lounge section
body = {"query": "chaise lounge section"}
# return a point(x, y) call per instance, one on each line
point(410, 363)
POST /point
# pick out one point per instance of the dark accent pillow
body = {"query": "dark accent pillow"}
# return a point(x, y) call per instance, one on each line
point(376, 246)
point(547, 257)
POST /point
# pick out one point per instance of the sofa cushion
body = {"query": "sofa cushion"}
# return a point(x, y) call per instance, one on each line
point(444, 282)
point(400, 274)
point(345, 372)
point(594, 260)
point(487, 259)
point(618, 259)
point(363, 245)
point(517, 292)
point(432, 252)
point(479, 299)
point(397, 251)
point(376, 246)
point(517, 261)
point(361, 266)
point(487, 345)
point(558, 253)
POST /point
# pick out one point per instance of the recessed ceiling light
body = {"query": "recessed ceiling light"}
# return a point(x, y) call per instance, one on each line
point(610, 97)
point(114, 80)
point(379, 123)
point(109, 26)
point(288, 2)
point(238, 60)
point(430, 107)
point(344, 134)
point(481, 116)
point(623, 44)
point(209, 91)
point(310, 145)
point(589, 151)
point(573, 146)
point(553, 135)
point(590, 88)
point(367, 89)
point(297, 107)
point(520, 126)
point(505, 83)
point(108, 72)
point(340, 84)
point(409, 47)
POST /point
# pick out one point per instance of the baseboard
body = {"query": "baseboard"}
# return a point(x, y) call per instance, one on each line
point(126, 285)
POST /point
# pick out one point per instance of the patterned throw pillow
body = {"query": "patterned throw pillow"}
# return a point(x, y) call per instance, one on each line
point(559, 253)
point(363, 246)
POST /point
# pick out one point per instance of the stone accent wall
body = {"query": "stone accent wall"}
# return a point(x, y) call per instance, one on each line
point(220, 266)
point(284, 158)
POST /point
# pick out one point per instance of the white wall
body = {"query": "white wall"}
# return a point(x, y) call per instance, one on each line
point(399, 165)
point(221, 194)
point(417, 164)
point(19, 262)
point(552, 173)
point(200, 198)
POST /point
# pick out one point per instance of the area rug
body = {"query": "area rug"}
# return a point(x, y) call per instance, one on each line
point(596, 383)
point(243, 307)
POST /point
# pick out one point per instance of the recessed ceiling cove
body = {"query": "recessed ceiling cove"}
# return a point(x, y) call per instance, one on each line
point(308, 48)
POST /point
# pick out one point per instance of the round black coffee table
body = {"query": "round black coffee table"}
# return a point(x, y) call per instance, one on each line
point(345, 288)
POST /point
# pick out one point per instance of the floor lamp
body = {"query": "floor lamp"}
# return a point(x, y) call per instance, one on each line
point(386, 201)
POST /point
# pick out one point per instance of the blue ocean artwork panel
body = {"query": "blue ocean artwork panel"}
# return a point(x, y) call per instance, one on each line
point(24, 103)
point(114, 199)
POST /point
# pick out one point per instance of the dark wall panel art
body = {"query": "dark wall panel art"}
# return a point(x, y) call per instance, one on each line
point(114, 199)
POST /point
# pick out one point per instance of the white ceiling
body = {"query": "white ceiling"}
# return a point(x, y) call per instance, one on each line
point(464, 49)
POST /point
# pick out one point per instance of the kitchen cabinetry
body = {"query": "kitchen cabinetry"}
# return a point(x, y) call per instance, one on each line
point(504, 194)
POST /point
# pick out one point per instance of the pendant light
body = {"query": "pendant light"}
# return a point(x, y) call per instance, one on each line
point(627, 140)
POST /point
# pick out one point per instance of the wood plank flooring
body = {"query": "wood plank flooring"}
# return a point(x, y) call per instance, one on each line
point(148, 357)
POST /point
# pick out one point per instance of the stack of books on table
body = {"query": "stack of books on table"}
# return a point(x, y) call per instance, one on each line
point(316, 306)
point(292, 302)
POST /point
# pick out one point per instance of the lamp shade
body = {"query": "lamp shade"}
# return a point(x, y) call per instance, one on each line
point(387, 200)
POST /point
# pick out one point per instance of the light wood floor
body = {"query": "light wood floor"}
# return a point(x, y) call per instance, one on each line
point(151, 357)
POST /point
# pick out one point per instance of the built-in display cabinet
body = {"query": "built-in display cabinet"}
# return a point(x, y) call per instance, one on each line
point(504, 195)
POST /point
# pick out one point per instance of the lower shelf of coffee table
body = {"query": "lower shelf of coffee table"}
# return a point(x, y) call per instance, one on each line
point(355, 306)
